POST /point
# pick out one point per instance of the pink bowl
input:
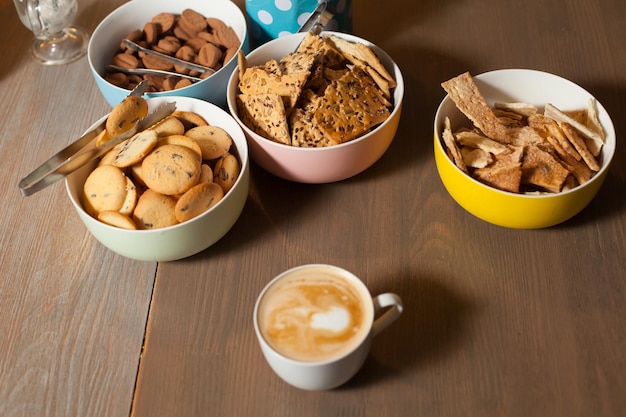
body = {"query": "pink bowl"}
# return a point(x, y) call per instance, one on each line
point(317, 165)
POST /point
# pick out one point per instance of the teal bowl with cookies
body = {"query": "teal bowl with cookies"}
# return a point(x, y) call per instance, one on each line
point(138, 15)
point(144, 241)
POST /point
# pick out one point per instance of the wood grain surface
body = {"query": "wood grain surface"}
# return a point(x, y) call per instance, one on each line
point(497, 322)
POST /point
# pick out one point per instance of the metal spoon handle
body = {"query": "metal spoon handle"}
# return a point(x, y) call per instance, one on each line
point(146, 71)
point(185, 64)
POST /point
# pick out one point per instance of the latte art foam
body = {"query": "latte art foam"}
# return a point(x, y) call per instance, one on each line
point(314, 317)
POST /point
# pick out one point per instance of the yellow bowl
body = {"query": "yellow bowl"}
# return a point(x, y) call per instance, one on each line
point(520, 211)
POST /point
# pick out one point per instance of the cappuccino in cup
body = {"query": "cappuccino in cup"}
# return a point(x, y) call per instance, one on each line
point(315, 323)
point(314, 314)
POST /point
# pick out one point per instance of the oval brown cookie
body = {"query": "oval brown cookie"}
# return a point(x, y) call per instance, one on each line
point(171, 169)
point(197, 200)
point(214, 141)
point(154, 211)
point(104, 189)
point(165, 20)
point(192, 21)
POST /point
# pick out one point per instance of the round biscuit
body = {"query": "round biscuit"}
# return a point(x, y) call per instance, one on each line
point(181, 140)
point(168, 126)
point(131, 198)
point(104, 189)
point(102, 138)
point(107, 158)
point(135, 171)
point(197, 200)
point(213, 140)
point(226, 171)
point(206, 173)
point(171, 169)
point(189, 119)
point(154, 210)
point(124, 115)
point(117, 219)
point(135, 149)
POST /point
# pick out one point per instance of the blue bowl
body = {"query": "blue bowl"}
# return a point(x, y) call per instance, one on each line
point(134, 15)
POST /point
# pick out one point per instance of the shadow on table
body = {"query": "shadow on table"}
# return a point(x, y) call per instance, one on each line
point(433, 326)
point(611, 199)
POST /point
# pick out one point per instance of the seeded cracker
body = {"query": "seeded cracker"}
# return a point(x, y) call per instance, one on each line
point(362, 56)
point(265, 115)
point(350, 107)
point(327, 100)
point(257, 81)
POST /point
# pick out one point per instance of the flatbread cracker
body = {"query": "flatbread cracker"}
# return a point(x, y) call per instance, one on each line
point(594, 140)
point(468, 99)
point(453, 149)
point(579, 144)
point(540, 169)
point(505, 173)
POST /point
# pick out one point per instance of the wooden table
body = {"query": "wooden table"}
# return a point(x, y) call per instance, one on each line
point(497, 322)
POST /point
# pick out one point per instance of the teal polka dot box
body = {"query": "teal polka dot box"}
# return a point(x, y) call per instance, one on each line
point(270, 19)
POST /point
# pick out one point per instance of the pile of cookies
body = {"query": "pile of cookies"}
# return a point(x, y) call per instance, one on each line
point(190, 36)
point(165, 175)
point(327, 92)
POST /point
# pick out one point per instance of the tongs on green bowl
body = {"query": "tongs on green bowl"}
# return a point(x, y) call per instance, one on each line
point(85, 149)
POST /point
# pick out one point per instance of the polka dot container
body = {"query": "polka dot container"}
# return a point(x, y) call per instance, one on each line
point(270, 19)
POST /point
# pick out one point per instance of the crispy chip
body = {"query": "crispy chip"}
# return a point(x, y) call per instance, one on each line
point(474, 140)
point(579, 144)
point(453, 149)
point(505, 173)
point(522, 109)
point(476, 158)
point(551, 131)
point(593, 139)
point(540, 169)
point(465, 94)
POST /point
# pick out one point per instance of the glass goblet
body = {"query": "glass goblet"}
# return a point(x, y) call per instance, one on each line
point(56, 41)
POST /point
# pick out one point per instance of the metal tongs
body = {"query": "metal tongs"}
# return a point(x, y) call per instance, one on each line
point(85, 149)
point(318, 19)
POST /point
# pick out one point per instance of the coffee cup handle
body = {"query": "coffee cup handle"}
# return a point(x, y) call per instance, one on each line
point(382, 301)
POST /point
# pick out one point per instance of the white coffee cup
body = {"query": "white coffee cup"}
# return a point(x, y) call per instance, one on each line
point(315, 324)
